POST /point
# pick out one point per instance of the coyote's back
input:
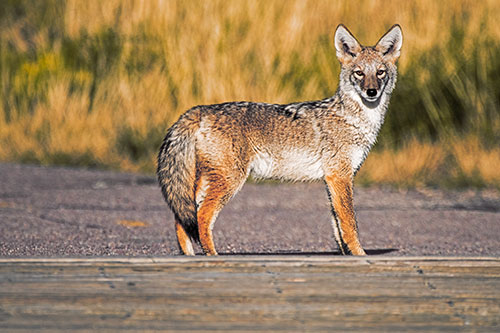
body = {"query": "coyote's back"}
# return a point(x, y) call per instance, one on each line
point(211, 150)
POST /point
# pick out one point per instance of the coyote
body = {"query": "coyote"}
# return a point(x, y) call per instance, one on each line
point(210, 151)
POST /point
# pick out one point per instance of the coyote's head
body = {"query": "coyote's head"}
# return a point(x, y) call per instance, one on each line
point(368, 71)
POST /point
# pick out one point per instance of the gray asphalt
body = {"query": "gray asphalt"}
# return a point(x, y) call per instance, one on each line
point(75, 212)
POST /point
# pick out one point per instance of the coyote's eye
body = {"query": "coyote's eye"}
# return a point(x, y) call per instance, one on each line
point(359, 74)
point(380, 73)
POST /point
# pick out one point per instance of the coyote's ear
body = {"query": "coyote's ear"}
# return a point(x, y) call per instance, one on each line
point(390, 43)
point(347, 46)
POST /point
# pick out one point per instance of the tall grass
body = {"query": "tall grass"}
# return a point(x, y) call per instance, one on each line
point(96, 83)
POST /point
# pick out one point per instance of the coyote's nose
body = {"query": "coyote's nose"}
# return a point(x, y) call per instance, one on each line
point(371, 92)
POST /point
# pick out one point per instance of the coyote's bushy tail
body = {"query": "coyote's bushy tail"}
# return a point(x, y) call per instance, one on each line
point(177, 171)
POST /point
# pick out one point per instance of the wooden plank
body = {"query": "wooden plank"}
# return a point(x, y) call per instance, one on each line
point(261, 293)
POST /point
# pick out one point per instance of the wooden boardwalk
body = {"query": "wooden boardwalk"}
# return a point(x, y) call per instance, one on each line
point(256, 293)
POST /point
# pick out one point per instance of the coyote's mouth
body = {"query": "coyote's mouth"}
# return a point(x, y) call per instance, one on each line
point(371, 102)
point(375, 97)
point(371, 99)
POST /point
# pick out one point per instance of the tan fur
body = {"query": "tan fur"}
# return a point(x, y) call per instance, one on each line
point(210, 151)
point(340, 189)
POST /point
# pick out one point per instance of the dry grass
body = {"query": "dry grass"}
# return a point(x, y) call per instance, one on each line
point(414, 164)
point(462, 162)
point(96, 83)
point(477, 163)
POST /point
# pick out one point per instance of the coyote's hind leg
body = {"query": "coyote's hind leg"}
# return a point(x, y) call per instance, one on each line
point(183, 239)
point(218, 191)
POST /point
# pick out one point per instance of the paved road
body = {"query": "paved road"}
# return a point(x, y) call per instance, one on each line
point(74, 212)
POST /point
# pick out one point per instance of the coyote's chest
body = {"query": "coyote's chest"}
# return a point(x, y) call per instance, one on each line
point(293, 164)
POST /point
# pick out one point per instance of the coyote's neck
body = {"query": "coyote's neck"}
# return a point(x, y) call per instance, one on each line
point(368, 117)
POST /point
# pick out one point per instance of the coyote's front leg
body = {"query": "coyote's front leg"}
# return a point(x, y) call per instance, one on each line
point(343, 220)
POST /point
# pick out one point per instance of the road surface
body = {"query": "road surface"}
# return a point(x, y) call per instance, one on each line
point(67, 212)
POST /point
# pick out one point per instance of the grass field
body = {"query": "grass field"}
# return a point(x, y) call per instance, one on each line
point(97, 83)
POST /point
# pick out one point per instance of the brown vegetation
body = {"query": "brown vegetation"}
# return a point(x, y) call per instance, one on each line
point(97, 83)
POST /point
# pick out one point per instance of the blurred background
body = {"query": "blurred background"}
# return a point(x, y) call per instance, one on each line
point(97, 83)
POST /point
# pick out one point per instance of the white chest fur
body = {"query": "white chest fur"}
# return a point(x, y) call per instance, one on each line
point(358, 155)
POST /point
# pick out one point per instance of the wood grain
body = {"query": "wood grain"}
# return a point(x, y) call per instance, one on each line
point(255, 293)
